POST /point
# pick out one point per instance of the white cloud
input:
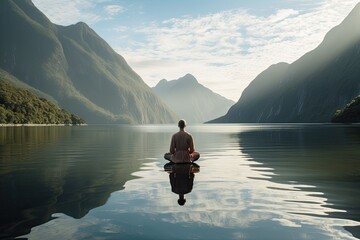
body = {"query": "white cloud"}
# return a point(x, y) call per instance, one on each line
point(227, 50)
point(114, 9)
point(68, 12)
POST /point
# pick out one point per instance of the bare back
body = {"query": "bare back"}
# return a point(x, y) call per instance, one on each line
point(182, 145)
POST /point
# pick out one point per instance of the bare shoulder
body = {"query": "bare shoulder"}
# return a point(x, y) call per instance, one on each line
point(177, 135)
point(188, 134)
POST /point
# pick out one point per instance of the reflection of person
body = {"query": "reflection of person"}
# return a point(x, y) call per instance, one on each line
point(181, 178)
point(182, 146)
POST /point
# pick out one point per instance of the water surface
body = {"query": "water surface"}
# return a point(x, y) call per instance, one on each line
point(109, 182)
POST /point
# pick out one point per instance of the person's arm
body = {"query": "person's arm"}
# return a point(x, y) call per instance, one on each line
point(191, 145)
point(172, 145)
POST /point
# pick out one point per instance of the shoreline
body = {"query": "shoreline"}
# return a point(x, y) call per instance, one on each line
point(39, 125)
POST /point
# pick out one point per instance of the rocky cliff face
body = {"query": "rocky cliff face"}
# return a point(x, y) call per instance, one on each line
point(76, 67)
point(312, 88)
point(350, 114)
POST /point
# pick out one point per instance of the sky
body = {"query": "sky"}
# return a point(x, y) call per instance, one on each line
point(224, 44)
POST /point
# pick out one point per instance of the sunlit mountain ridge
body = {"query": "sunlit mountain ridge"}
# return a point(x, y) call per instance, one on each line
point(312, 88)
point(75, 67)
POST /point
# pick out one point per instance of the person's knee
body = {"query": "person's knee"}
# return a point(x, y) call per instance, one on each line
point(167, 156)
point(195, 156)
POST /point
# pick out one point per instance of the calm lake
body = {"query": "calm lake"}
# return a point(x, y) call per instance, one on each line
point(251, 182)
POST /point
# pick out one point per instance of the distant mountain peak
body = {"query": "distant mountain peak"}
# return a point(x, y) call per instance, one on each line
point(188, 75)
point(191, 100)
point(81, 26)
point(161, 82)
point(189, 78)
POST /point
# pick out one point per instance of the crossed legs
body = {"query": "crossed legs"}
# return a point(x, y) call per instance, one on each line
point(193, 156)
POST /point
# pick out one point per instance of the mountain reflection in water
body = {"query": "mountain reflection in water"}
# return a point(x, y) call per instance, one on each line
point(42, 174)
point(318, 159)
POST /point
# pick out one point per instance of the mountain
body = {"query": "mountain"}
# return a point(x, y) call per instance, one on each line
point(191, 100)
point(18, 105)
point(350, 114)
point(75, 67)
point(312, 88)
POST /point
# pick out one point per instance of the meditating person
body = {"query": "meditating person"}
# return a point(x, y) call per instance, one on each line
point(182, 146)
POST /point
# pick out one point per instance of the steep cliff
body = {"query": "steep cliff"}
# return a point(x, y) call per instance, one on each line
point(75, 67)
point(312, 88)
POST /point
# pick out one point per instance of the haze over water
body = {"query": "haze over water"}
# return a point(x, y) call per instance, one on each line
point(254, 182)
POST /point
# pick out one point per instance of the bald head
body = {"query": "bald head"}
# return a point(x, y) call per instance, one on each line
point(182, 124)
